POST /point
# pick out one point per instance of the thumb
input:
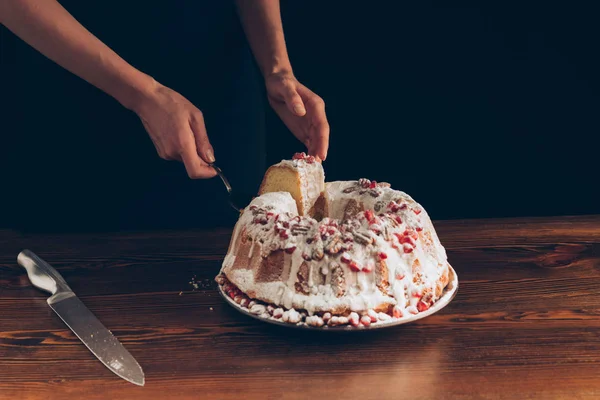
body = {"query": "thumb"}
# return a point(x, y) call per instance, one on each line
point(293, 100)
point(203, 146)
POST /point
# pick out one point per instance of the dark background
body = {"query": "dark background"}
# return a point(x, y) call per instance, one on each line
point(476, 110)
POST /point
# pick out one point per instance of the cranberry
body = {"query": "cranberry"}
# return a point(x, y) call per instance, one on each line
point(354, 266)
point(421, 306)
point(382, 256)
point(290, 250)
point(299, 156)
point(369, 215)
point(373, 185)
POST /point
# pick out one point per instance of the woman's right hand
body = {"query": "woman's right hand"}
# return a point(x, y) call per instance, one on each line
point(177, 130)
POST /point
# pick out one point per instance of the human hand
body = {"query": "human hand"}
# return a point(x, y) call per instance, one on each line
point(177, 130)
point(301, 110)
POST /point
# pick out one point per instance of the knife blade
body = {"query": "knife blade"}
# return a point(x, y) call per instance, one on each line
point(84, 324)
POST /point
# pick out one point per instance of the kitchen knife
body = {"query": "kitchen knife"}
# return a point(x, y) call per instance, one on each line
point(80, 319)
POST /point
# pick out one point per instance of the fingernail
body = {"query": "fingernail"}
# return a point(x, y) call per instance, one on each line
point(299, 109)
point(210, 156)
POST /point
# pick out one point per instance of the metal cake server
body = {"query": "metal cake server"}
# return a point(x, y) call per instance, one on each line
point(99, 340)
point(237, 200)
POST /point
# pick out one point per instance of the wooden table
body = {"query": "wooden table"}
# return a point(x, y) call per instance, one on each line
point(525, 323)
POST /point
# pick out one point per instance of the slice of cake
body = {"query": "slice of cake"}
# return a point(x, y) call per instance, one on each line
point(302, 177)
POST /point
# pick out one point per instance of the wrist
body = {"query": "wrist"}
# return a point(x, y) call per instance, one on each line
point(135, 90)
point(277, 68)
point(278, 74)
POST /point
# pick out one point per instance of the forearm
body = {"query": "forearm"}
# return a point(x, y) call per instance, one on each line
point(50, 29)
point(261, 20)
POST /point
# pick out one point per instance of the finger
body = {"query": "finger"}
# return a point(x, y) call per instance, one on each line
point(203, 146)
point(196, 168)
point(293, 100)
point(319, 135)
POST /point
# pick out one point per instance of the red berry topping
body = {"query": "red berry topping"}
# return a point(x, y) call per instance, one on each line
point(417, 295)
point(331, 231)
point(408, 249)
point(398, 219)
point(373, 185)
point(354, 266)
point(345, 258)
point(408, 240)
point(369, 215)
point(284, 235)
point(417, 211)
point(367, 268)
point(382, 256)
point(290, 249)
point(419, 228)
point(393, 206)
point(421, 306)
point(403, 206)
point(299, 156)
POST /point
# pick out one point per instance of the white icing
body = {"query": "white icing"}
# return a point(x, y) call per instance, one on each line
point(269, 214)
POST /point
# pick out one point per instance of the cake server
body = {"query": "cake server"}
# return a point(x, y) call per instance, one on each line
point(99, 340)
point(237, 200)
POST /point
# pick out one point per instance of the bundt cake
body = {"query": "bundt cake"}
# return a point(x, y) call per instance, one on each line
point(337, 253)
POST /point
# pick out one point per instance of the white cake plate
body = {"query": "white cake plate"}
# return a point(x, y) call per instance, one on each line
point(443, 301)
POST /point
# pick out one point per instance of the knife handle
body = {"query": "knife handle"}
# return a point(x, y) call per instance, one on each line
point(41, 274)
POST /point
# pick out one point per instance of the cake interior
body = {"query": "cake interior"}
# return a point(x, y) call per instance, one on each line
point(284, 180)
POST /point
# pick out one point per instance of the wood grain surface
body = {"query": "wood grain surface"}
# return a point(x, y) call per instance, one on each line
point(524, 324)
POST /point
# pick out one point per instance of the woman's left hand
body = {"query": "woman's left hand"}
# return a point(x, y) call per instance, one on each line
point(301, 110)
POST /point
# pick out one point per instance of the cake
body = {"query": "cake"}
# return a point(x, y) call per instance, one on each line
point(336, 253)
